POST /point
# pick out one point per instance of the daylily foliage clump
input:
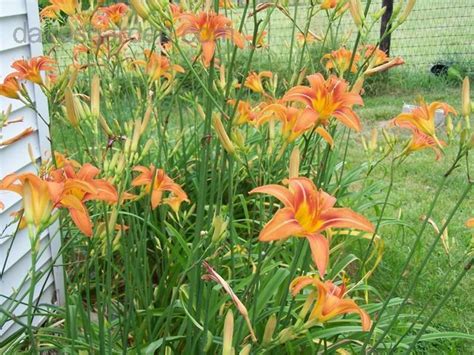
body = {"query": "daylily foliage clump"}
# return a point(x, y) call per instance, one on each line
point(179, 162)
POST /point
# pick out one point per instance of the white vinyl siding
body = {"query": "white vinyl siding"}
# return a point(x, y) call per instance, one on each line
point(20, 16)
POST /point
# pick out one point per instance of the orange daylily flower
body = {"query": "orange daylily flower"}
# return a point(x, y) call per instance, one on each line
point(208, 27)
point(309, 38)
point(37, 202)
point(254, 81)
point(294, 121)
point(260, 41)
point(422, 118)
point(73, 188)
point(61, 161)
point(421, 141)
point(100, 21)
point(10, 87)
point(104, 17)
point(42, 195)
point(31, 69)
point(51, 11)
point(67, 6)
point(329, 98)
point(329, 300)
point(307, 212)
point(469, 222)
point(157, 66)
point(115, 12)
point(226, 4)
point(328, 4)
point(339, 60)
point(378, 56)
point(245, 112)
point(379, 60)
point(157, 182)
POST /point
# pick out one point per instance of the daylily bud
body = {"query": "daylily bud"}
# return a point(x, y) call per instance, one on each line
point(228, 333)
point(364, 143)
point(238, 138)
point(73, 76)
point(373, 140)
point(466, 98)
point(286, 335)
point(155, 4)
point(269, 329)
point(222, 134)
point(355, 9)
point(449, 126)
point(294, 163)
point(471, 142)
point(136, 136)
point(246, 350)
point(146, 148)
point(71, 109)
point(146, 118)
point(223, 81)
point(200, 111)
point(358, 86)
point(208, 342)
point(407, 11)
point(465, 136)
point(397, 8)
point(219, 224)
point(95, 96)
point(141, 8)
point(301, 76)
point(377, 15)
point(103, 124)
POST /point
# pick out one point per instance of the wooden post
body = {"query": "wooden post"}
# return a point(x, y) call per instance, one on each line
point(384, 26)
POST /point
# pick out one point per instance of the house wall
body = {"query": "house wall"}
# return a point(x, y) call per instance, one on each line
point(17, 19)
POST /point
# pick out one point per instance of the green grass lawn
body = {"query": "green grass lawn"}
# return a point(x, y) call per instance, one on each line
point(414, 187)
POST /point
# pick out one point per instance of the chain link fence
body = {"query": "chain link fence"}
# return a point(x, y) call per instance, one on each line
point(438, 32)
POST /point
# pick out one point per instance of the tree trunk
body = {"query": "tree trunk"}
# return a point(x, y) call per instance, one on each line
point(384, 26)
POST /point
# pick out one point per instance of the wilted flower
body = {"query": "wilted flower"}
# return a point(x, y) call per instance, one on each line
point(208, 27)
point(329, 301)
point(157, 183)
point(214, 276)
point(307, 212)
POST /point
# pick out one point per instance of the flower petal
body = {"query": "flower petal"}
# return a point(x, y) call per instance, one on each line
point(319, 251)
point(282, 226)
point(346, 218)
